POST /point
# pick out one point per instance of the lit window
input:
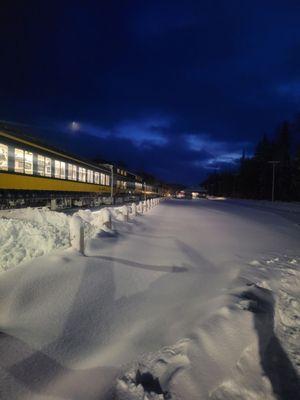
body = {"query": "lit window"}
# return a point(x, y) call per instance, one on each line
point(41, 165)
point(70, 172)
point(19, 160)
point(97, 178)
point(63, 170)
point(107, 180)
point(74, 173)
point(57, 169)
point(3, 157)
point(120, 184)
point(82, 174)
point(102, 177)
point(90, 176)
point(48, 166)
point(28, 163)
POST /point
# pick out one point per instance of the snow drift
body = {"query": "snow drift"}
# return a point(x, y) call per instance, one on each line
point(30, 232)
point(195, 300)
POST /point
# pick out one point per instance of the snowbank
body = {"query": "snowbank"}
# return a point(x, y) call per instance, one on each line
point(31, 232)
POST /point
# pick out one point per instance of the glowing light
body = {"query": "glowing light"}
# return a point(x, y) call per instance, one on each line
point(74, 126)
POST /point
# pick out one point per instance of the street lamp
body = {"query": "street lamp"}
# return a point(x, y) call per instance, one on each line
point(274, 163)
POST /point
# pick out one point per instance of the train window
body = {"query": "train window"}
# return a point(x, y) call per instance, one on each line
point(48, 166)
point(107, 180)
point(102, 178)
point(63, 170)
point(57, 169)
point(41, 165)
point(82, 174)
point(19, 160)
point(90, 176)
point(70, 172)
point(74, 173)
point(3, 157)
point(28, 163)
point(97, 178)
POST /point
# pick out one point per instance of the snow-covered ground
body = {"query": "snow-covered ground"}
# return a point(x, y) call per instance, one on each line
point(290, 210)
point(193, 300)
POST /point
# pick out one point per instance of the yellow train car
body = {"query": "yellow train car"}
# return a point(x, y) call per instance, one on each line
point(34, 174)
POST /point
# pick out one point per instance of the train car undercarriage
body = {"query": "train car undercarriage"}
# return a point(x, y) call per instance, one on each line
point(61, 200)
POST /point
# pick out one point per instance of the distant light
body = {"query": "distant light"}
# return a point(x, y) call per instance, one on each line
point(74, 126)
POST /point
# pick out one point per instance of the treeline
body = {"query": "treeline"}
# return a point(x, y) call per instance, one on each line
point(253, 177)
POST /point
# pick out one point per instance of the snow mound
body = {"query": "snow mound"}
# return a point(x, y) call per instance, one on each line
point(27, 233)
point(22, 240)
point(41, 216)
point(31, 232)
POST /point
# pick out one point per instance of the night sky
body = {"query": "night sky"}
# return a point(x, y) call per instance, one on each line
point(178, 88)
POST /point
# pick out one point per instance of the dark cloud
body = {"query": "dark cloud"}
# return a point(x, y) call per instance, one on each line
point(142, 77)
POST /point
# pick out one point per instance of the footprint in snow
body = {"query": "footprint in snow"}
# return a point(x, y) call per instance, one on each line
point(151, 376)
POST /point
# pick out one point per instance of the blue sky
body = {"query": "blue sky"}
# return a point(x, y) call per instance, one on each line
point(178, 88)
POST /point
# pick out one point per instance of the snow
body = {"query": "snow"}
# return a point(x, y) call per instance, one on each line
point(194, 299)
point(288, 210)
point(276, 205)
point(31, 232)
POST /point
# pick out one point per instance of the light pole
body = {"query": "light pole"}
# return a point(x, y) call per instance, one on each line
point(274, 163)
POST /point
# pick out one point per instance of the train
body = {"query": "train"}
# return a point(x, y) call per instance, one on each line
point(35, 174)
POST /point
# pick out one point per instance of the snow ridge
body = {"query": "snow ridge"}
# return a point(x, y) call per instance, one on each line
point(27, 233)
point(250, 345)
